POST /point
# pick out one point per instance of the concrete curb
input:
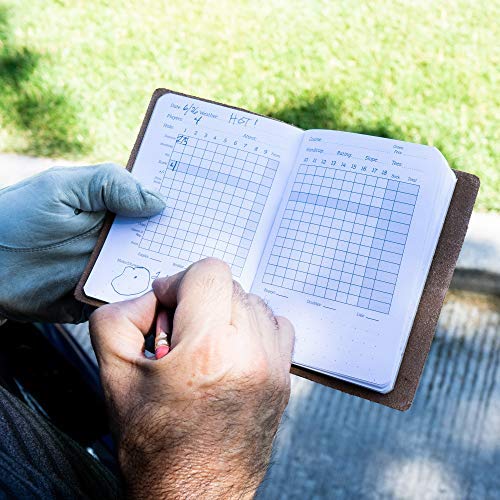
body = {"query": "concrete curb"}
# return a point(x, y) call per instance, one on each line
point(478, 267)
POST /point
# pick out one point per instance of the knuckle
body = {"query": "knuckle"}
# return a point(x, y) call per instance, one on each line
point(214, 265)
point(108, 168)
point(285, 324)
point(159, 285)
point(238, 288)
point(213, 273)
point(239, 293)
point(107, 174)
point(255, 300)
point(263, 307)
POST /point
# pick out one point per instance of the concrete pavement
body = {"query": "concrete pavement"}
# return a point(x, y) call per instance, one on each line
point(478, 267)
point(447, 446)
point(14, 168)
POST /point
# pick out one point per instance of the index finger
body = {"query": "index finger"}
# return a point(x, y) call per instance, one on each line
point(202, 294)
point(166, 289)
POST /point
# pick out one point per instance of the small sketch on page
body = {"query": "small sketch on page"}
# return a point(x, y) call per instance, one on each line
point(131, 281)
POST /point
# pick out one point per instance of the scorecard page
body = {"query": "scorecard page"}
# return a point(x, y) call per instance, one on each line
point(222, 172)
point(349, 252)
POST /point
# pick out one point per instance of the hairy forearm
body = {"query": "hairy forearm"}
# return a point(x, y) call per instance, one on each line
point(224, 457)
point(176, 478)
point(199, 423)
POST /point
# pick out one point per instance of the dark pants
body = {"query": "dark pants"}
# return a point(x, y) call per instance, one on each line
point(39, 461)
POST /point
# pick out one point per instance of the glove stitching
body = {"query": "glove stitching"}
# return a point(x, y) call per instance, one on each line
point(96, 228)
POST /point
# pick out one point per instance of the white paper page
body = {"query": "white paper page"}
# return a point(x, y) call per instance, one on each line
point(444, 187)
point(346, 253)
point(223, 172)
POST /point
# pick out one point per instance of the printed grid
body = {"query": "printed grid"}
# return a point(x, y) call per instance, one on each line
point(342, 237)
point(215, 197)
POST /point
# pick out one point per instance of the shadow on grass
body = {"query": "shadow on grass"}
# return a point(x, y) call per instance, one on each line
point(325, 111)
point(45, 118)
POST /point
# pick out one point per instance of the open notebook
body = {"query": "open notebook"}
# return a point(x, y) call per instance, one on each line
point(335, 230)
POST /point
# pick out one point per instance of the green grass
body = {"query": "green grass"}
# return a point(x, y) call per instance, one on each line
point(76, 76)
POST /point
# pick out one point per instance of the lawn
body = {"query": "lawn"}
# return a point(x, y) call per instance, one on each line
point(76, 76)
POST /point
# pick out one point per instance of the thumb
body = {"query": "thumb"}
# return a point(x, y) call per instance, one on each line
point(110, 187)
point(118, 329)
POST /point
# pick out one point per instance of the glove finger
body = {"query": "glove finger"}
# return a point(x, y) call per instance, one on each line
point(110, 187)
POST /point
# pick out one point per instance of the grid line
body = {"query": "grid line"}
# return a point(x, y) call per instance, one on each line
point(342, 236)
point(215, 195)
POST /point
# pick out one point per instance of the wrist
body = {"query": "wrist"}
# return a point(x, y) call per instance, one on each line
point(175, 475)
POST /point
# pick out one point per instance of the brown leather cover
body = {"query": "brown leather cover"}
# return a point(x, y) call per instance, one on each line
point(438, 280)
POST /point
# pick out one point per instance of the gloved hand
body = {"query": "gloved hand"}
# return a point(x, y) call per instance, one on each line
point(49, 225)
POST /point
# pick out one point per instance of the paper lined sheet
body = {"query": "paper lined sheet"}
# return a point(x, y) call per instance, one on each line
point(345, 258)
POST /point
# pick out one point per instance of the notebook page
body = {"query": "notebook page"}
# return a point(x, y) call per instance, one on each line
point(350, 247)
point(444, 188)
point(222, 171)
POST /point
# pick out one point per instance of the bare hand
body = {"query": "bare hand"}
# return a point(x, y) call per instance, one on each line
point(200, 421)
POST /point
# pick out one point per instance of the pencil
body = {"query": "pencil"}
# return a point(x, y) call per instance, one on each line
point(162, 345)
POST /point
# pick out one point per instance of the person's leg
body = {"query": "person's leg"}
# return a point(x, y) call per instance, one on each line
point(37, 460)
